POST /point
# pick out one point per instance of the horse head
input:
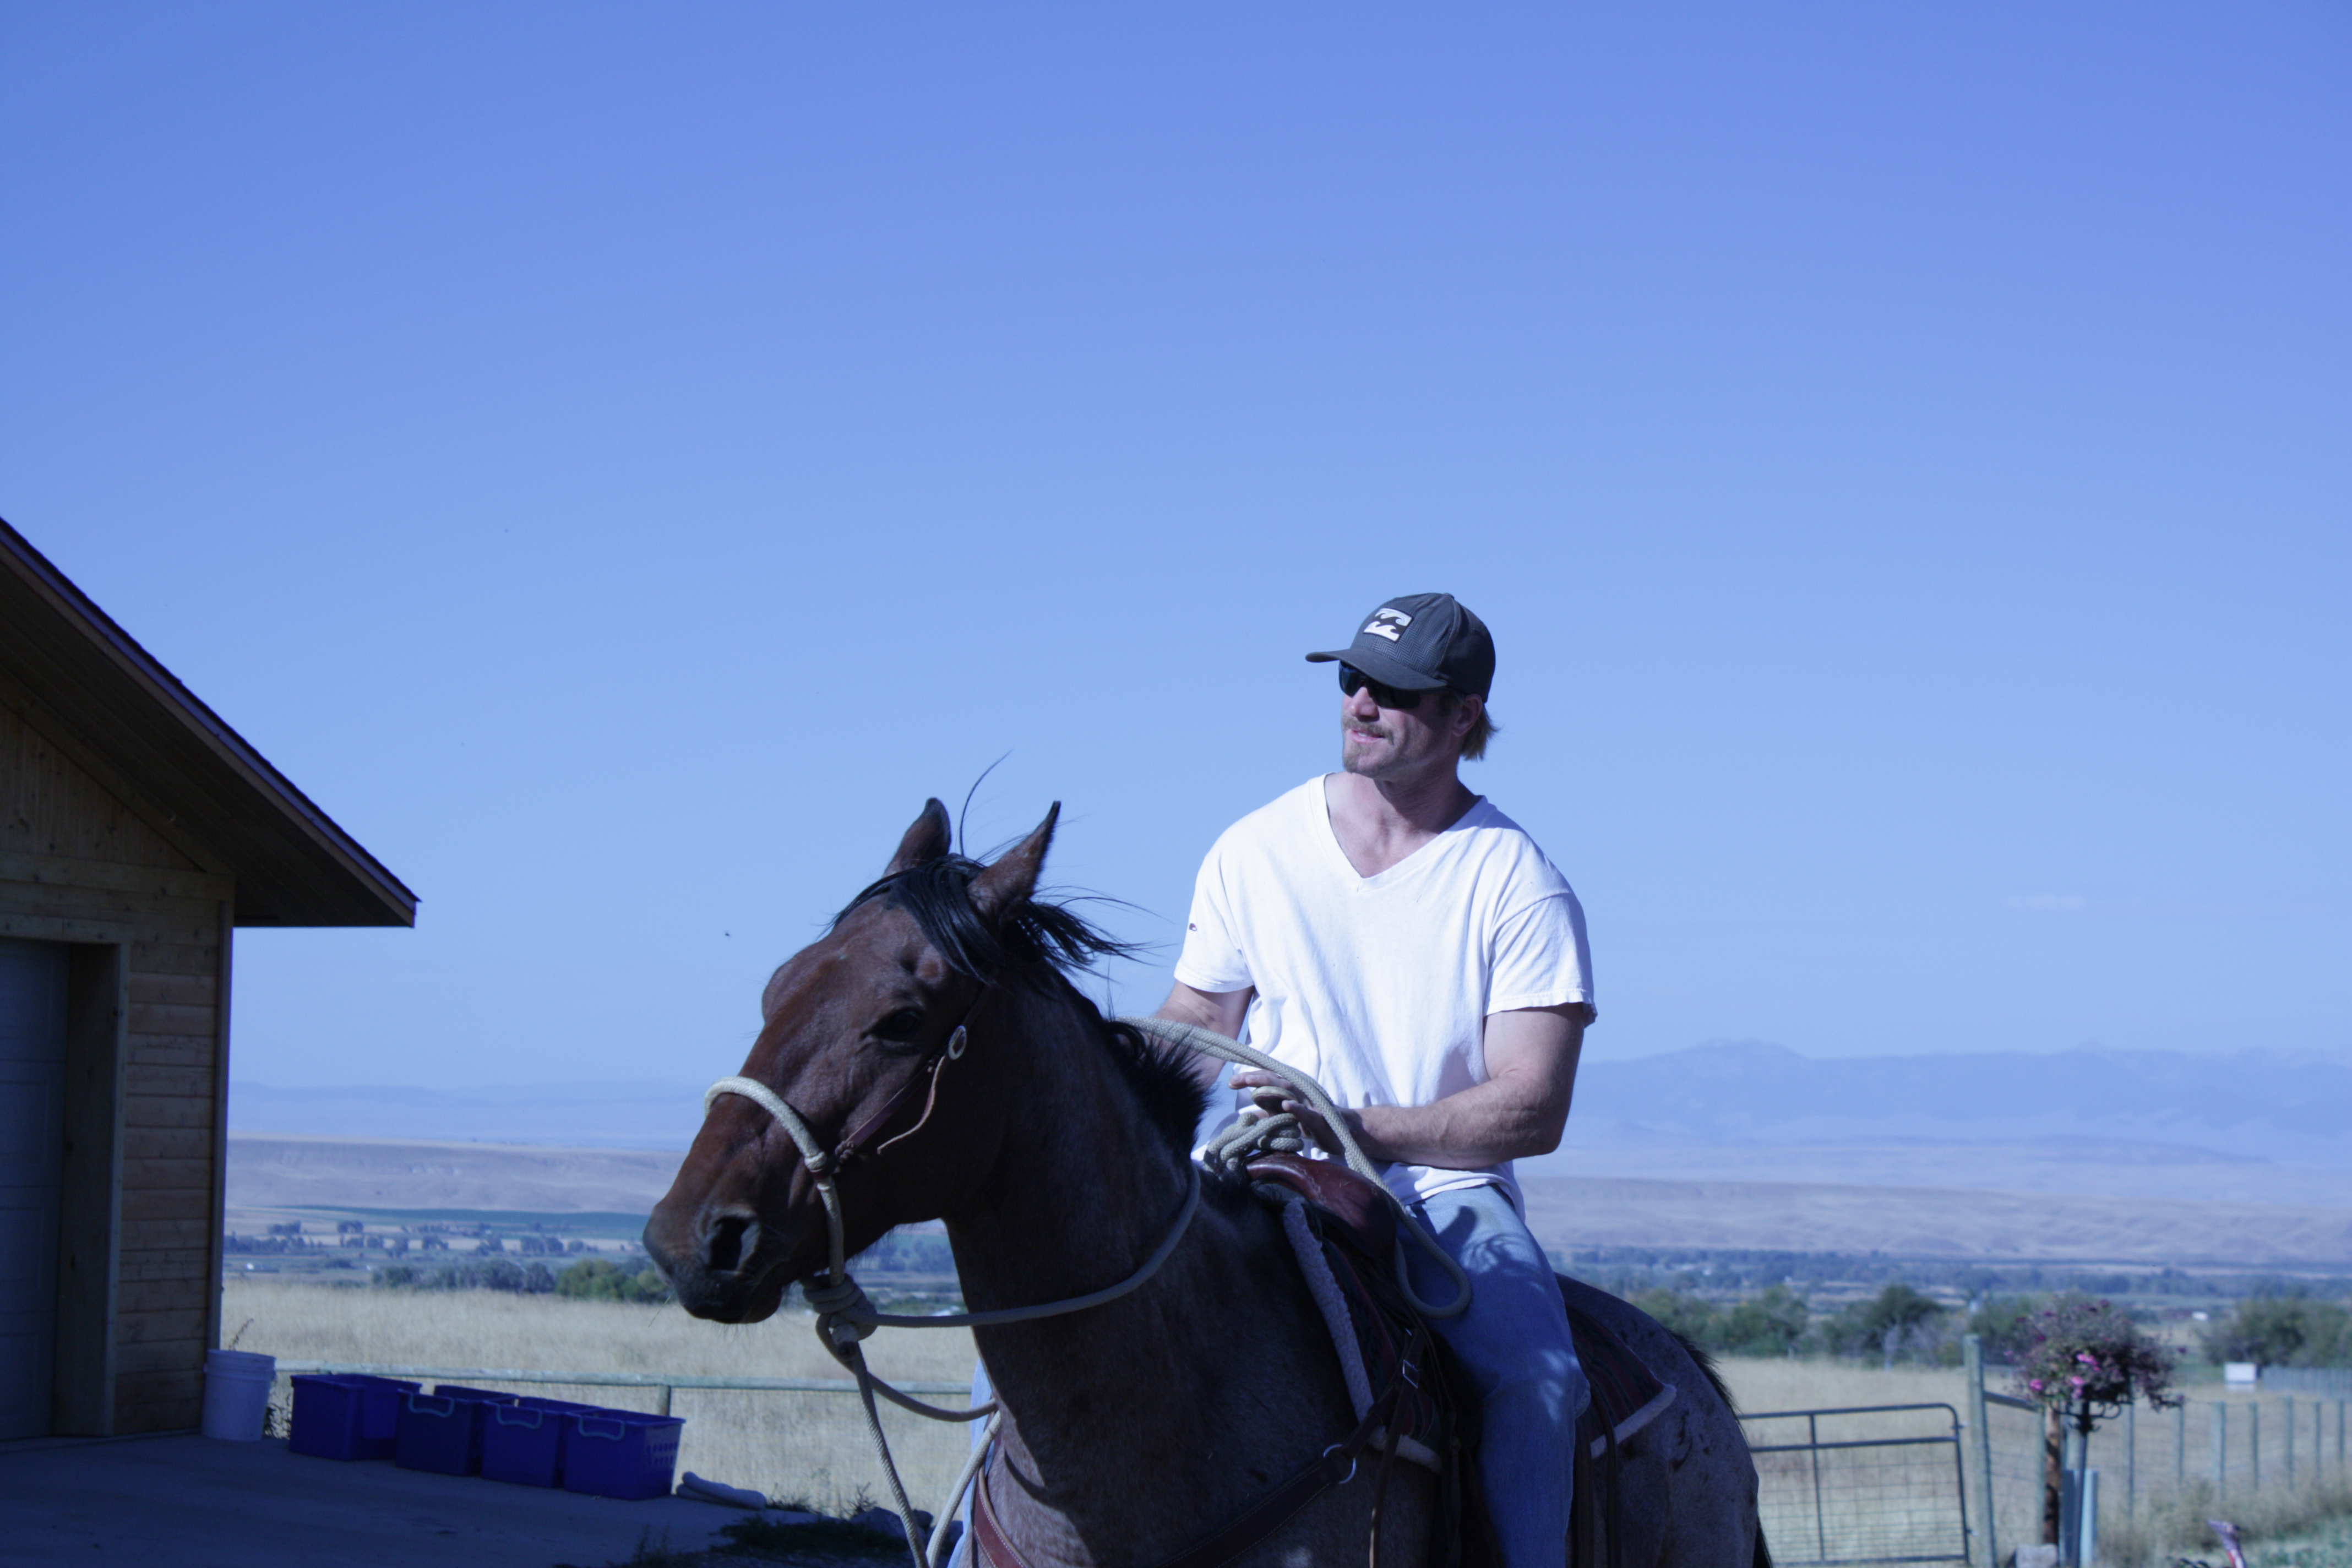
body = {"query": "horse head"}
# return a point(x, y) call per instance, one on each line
point(863, 1033)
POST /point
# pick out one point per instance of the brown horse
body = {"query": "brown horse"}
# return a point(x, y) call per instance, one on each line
point(1055, 1146)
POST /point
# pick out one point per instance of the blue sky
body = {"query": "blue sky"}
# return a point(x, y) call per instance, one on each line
point(620, 460)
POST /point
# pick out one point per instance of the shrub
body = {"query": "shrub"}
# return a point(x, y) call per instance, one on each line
point(2283, 1331)
point(493, 1274)
point(2088, 1359)
point(600, 1280)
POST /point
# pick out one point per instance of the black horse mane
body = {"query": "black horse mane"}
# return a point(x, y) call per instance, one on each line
point(1038, 944)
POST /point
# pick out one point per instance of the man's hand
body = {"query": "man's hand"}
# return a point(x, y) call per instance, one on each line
point(1521, 1111)
point(1272, 1092)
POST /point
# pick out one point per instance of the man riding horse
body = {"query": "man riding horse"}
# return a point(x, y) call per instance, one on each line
point(1398, 939)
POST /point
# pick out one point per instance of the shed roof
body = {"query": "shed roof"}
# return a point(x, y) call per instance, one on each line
point(118, 712)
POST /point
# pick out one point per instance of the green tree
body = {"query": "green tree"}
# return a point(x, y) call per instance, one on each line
point(1687, 1315)
point(1773, 1323)
point(1897, 1321)
point(590, 1279)
point(2002, 1322)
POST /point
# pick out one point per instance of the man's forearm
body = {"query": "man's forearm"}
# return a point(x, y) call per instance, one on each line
point(1519, 1111)
point(1218, 1012)
point(1484, 1125)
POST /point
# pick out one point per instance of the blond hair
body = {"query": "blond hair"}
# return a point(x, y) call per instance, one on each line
point(1482, 730)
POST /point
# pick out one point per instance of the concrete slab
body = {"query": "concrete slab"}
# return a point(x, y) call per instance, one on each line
point(185, 1501)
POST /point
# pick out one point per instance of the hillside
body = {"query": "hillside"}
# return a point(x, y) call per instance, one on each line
point(1931, 1222)
point(276, 1174)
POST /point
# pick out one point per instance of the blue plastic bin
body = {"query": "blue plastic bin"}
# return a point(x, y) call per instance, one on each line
point(523, 1442)
point(620, 1453)
point(487, 1395)
point(352, 1417)
point(442, 1431)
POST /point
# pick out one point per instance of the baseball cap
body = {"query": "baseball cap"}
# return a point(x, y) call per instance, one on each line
point(1419, 642)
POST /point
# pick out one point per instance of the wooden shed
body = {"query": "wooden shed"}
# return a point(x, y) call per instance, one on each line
point(137, 831)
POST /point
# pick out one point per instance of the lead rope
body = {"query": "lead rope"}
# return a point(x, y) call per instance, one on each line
point(1281, 1131)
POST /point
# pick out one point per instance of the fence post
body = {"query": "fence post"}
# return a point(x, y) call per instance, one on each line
point(2254, 1442)
point(664, 1410)
point(2221, 1449)
point(2131, 1458)
point(2181, 1445)
point(1982, 1552)
point(2287, 1410)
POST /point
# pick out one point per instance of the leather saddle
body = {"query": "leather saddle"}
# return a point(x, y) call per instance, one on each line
point(1626, 1395)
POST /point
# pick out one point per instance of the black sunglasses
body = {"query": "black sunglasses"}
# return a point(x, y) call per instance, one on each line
point(1352, 681)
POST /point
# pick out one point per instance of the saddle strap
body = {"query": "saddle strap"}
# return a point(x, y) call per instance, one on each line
point(1334, 1466)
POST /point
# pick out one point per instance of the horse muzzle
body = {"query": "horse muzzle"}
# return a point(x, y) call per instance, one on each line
point(724, 1261)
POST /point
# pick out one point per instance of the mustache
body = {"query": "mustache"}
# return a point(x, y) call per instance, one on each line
point(1372, 730)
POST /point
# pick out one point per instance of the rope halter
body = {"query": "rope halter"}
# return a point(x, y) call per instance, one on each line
point(844, 1314)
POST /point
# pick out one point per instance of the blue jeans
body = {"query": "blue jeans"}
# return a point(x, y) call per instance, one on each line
point(963, 1557)
point(1513, 1346)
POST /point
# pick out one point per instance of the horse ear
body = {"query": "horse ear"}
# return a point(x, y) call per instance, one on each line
point(1013, 874)
point(926, 840)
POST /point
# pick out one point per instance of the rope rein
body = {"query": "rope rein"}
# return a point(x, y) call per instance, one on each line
point(844, 1316)
point(1281, 1132)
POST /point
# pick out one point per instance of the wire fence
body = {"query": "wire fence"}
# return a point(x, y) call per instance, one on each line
point(2233, 1445)
point(2326, 1382)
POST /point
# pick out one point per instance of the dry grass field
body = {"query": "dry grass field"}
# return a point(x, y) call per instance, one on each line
point(815, 1446)
point(808, 1446)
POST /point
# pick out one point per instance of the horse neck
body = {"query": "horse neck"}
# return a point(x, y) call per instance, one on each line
point(1084, 1189)
point(1083, 1181)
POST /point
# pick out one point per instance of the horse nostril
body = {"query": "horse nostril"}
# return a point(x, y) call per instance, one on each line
point(727, 1243)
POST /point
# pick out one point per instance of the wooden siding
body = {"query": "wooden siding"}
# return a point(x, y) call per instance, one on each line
point(77, 865)
point(55, 808)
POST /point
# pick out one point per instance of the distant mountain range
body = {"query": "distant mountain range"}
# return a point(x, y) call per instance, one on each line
point(614, 1115)
point(2253, 1105)
point(2108, 1106)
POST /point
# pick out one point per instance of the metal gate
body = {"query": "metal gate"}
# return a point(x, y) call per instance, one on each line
point(1873, 1483)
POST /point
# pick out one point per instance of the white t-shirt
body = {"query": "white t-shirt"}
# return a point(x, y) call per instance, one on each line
point(1378, 987)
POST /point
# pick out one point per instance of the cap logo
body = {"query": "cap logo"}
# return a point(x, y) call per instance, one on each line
point(1386, 623)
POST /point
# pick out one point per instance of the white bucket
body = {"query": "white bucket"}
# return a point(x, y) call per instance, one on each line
point(237, 1393)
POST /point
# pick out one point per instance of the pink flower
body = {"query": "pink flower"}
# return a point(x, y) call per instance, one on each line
point(2035, 1384)
point(2086, 1358)
point(2077, 1382)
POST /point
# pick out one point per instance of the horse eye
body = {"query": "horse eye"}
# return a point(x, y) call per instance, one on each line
point(900, 1025)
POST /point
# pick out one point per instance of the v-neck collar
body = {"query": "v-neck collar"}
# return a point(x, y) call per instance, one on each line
point(1321, 805)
